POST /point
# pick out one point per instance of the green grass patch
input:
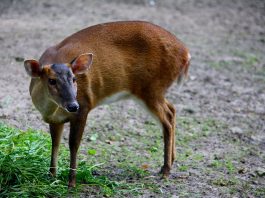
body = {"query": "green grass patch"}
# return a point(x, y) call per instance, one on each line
point(196, 128)
point(260, 192)
point(252, 61)
point(226, 165)
point(249, 59)
point(221, 64)
point(24, 165)
point(222, 181)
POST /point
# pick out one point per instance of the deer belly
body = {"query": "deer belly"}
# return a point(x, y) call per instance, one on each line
point(115, 97)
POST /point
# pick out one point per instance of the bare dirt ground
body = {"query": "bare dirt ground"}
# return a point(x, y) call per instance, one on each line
point(221, 108)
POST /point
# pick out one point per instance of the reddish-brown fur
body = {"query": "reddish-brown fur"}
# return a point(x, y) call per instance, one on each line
point(137, 57)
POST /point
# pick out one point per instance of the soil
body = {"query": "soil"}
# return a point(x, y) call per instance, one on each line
point(227, 72)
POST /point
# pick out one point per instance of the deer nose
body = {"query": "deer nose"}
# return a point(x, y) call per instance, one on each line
point(72, 107)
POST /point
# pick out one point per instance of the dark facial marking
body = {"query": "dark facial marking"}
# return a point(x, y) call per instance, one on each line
point(64, 82)
point(61, 69)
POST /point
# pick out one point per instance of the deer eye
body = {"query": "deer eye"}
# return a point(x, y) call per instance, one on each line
point(74, 79)
point(52, 81)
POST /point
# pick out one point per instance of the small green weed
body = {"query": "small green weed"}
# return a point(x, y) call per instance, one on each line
point(223, 164)
point(216, 164)
point(230, 166)
point(183, 168)
point(249, 59)
point(195, 128)
point(221, 181)
point(220, 64)
point(260, 192)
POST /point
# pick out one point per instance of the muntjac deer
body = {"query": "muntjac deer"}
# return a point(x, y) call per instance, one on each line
point(105, 63)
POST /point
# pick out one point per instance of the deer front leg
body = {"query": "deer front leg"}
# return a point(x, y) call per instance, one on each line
point(77, 126)
point(56, 133)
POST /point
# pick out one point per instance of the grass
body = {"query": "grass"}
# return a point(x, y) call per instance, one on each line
point(222, 181)
point(226, 165)
point(220, 64)
point(24, 164)
point(247, 61)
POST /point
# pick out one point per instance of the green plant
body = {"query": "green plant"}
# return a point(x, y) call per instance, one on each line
point(229, 166)
point(222, 181)
point(24, 164)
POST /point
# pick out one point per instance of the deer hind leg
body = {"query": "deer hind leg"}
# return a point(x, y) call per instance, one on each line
point(172, 118)
point(161, 110)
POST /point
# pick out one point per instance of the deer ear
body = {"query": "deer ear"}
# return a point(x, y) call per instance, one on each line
point(82, 63)
point(33, 68)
